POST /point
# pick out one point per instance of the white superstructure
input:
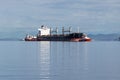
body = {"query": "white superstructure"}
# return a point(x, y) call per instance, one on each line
point(43, 30)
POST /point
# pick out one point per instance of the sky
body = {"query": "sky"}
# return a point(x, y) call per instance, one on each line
point(93, 16)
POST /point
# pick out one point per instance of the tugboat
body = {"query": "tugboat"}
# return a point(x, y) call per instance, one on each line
point(45, 34)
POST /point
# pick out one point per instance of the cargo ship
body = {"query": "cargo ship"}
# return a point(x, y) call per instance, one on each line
point(45, 34)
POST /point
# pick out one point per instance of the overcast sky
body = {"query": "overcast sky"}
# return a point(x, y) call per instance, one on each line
point(89, 15)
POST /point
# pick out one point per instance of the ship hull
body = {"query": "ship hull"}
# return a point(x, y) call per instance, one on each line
point(59, 38)
point(48, 39)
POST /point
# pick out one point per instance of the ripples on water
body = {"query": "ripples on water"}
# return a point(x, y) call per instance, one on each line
point(21, 60)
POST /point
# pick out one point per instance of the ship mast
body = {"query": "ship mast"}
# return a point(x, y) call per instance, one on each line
point(69, 30)
point(78, 30)
point(56, 31)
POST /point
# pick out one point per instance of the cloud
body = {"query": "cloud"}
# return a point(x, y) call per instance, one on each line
point(89, 14)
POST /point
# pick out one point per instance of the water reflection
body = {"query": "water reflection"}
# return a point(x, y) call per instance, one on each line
point(85, 57)
point(78, 61)
point(44, 48)
point(59, 61)
point(69, 60)
point(85, 62)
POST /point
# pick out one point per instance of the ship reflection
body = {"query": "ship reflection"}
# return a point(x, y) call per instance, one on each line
point(62, 60)
point(69, 60)
point(44, 58)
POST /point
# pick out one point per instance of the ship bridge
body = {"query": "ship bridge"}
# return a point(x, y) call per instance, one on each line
point(43, 30)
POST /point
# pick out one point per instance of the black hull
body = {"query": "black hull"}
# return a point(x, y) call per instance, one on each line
point(69, 37)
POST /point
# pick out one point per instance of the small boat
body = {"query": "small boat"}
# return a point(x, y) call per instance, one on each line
point(30, 38)
point(45, 34)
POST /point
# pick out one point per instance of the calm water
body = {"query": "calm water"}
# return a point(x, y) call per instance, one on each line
point(21, 60)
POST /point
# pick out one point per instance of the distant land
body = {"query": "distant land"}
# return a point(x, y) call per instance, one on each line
point(105, 37)
point(19, 35)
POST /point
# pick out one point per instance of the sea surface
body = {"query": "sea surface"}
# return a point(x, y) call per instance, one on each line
point(96, 60)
